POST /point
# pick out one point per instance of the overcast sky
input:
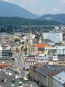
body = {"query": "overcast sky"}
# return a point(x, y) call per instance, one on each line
point(41, 7)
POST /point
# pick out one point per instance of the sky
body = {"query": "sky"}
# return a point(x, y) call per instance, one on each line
point(41, 7)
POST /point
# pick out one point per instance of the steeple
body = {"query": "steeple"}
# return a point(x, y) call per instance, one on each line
point(30, 37)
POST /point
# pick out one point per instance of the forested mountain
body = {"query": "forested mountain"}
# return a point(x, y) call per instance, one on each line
point(55, 17)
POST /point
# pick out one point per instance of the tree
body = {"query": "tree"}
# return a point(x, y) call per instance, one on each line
point(16, 48)
point(25, 49)
point(17, 40)
point(22, 48)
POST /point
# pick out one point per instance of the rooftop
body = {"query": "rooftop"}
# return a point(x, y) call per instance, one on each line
point(42, 45)
point(60, 77)
point(16, 83)
point(11, 78)
point(47, 69)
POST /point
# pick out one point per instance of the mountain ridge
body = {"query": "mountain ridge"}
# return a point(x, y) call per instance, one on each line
point(9, 10)
point(53, 17)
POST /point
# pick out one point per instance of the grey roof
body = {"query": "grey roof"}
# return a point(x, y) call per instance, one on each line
point(12, 43)
point(47, 69)
point(7, 74)
point(49, 42)
point(16, 83)
point(8, 61)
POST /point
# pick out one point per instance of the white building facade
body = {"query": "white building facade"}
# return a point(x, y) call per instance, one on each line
point(55, 37)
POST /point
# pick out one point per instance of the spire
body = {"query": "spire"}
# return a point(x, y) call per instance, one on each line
point(30, 36)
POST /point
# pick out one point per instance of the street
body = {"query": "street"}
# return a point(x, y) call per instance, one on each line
point(19, 62)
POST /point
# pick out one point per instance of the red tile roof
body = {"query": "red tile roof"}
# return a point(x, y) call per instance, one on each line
point(10, 40)
point(4, 65)
point(18, 50)
point(42, 45)
point(8, 45)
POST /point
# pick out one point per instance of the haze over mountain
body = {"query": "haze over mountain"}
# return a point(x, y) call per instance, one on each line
point(53, 17)
point(12, 10)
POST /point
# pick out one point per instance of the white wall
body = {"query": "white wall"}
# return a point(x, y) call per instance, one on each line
point(57, 84)
point(60, 49)
point(56, 37)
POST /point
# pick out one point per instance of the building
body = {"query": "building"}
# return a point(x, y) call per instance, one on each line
point(42, 73)
point(29, 61)
point(41, 48)
point(53, 60)
point(5, 51)
point(11, 78)
point(56, 37)
point(7, 74)
point(60, 50)
point(57, 79)
point(10, 61)
point(61, 55)
point(41, 58)
point(32, 70)
point(33, 50)
point(4, 65)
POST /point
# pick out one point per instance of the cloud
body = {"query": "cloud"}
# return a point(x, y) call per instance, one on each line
point(56, 10)
point(6, 0)
point(63, 1)
point(41, 11)
point(10, 1)
point(24, 2)
point(28, 3)
point(41, 7)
